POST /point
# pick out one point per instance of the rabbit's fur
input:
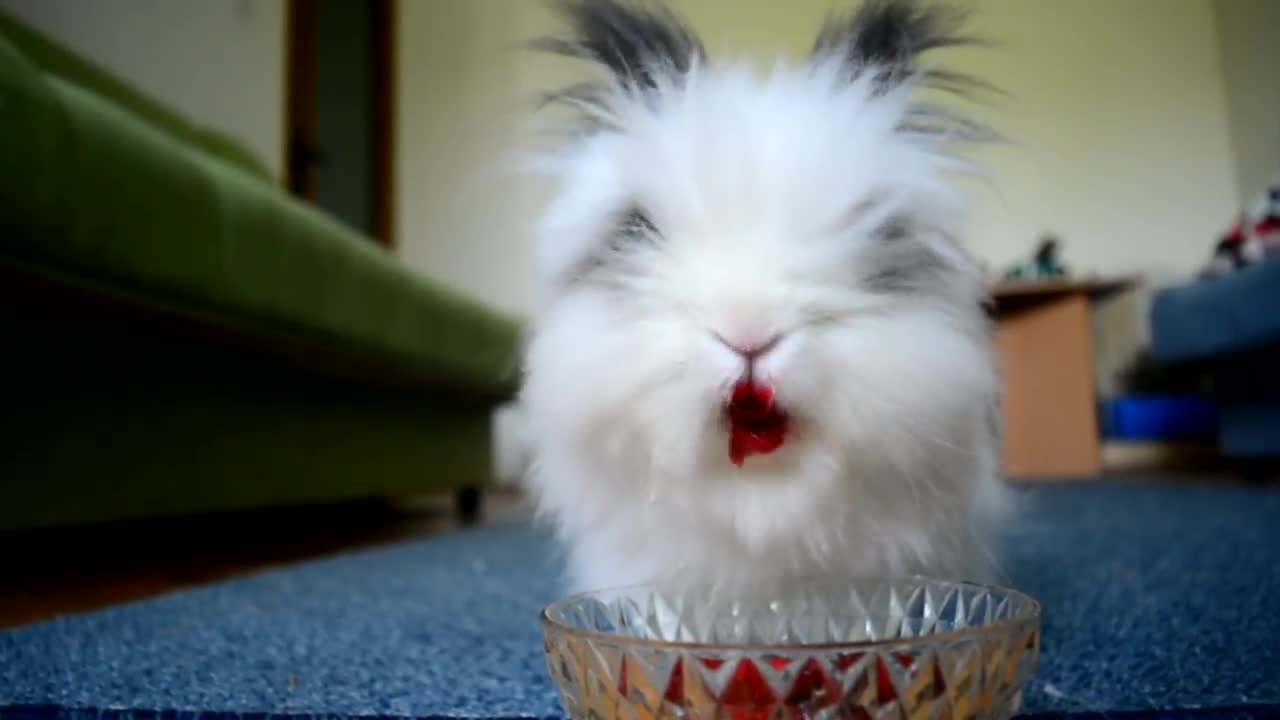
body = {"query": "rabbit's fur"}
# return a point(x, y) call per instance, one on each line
point(812, 211)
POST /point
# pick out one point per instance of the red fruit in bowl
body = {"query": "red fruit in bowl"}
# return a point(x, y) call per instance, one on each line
point(748, 695)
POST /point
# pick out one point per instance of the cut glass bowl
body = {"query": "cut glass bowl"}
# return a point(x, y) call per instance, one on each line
point(904, 648)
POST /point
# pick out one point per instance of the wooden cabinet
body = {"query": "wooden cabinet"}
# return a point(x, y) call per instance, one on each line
point(1045, 341)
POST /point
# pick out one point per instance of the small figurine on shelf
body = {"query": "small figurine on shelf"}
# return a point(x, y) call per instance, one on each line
point(1254, 236)
point(1045, 263)
point(1266, 229)
point(1228, 254)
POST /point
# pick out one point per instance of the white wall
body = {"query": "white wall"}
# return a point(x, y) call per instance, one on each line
point(1251, 71)
point(220, 62)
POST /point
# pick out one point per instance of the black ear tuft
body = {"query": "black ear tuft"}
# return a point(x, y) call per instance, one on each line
point(638, 43)
point(887, 38)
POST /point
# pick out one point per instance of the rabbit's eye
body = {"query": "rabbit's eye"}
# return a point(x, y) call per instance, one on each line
point(894, 229)
point(631, 233)
point(635, 223)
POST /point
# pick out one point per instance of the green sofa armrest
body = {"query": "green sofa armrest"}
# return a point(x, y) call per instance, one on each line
point(53, 59)
point(92, 191)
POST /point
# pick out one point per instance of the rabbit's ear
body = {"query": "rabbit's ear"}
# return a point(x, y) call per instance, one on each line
point(883, 40)
point(642, 44)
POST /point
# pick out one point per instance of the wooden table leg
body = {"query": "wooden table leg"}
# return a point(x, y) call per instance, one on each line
point(1049, 407)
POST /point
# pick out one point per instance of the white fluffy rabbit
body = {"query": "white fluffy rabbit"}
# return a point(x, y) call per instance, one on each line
point(763, 353)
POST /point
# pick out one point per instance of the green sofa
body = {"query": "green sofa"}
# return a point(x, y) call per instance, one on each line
point(180, 335)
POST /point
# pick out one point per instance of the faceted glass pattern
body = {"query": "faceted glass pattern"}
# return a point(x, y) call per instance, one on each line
point(865, 649)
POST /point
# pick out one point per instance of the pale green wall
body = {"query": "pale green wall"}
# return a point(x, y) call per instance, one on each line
point(1247, 33)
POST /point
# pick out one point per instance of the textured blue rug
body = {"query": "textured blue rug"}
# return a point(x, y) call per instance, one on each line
point(1157, 598)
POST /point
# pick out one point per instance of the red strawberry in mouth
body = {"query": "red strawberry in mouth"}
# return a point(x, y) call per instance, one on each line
point(756, 423)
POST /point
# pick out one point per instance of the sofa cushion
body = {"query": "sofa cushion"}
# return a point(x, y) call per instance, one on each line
point(1221, 316)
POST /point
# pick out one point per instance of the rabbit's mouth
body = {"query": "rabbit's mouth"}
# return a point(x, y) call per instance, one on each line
point(756, 423)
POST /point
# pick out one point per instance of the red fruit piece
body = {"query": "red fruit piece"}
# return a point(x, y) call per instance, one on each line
point(778, 662)
point(813, 687)
point(844, 661)
point(675, 684)
point(751, 399)
point(756, 425)
point(884, 687)
point(748, 695)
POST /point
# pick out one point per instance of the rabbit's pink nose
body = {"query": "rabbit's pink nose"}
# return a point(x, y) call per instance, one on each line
point(750, 349)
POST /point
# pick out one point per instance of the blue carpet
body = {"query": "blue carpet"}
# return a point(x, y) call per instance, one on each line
point(1160, 601)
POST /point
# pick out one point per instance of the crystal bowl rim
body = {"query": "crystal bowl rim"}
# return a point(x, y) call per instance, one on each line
point(1029, 613)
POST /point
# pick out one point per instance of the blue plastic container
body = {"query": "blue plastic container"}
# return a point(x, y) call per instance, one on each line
point(1159, 417)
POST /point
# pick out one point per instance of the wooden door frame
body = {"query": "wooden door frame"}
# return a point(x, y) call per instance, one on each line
point(300, 97)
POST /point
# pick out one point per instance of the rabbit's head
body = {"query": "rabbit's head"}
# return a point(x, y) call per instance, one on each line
point(749, 275)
